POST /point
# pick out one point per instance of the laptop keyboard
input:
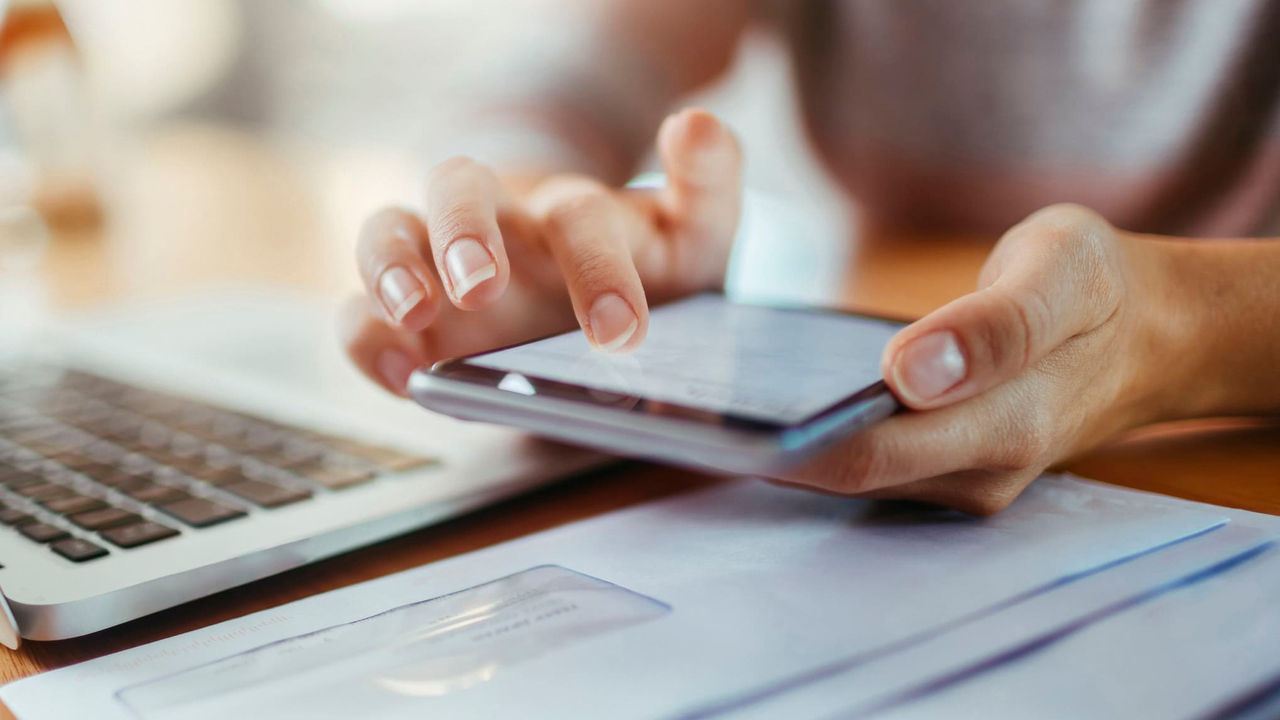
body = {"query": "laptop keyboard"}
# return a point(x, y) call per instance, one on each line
point(91, 466)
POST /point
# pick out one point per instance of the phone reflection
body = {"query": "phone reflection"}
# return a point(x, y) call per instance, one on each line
point(622, 373)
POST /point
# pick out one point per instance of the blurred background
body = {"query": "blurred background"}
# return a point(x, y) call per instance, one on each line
point(165, 146)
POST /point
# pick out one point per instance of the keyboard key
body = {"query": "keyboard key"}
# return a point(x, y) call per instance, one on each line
point(138, 534)
point(98, 470)
point(105, 518)
point(385, 457)
point(57, 444)
point(31, 431)
point(154, 435)
point(75, 461)
point(221, 475)
point(294, 453)
point(187, 464)
point(122, 427)
point(158, 495)
point(44, 491)
point(73, 504)
point(9, 472)
point(338, 478)
point(42, 532)
point(399, 462)
point(154, 493)
point(14, 516)
point(77, 550)
point(201, 512)
point(120, 479)
point(159, 456)
point(266, 494)
point(25, 479)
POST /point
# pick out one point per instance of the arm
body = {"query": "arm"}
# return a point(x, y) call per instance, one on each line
point(1229, 293)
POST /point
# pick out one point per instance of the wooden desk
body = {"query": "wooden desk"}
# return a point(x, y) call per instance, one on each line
point(199, 205)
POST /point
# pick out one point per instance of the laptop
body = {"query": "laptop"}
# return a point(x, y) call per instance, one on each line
point(154, 454)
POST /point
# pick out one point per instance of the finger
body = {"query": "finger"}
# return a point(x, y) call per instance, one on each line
point(1049, 281)
point(998, 432)
point(386, 355)
point(900, 450)
point(976, 492)
point(587, 230)
point(462, 211)
point(400, 281)
point(703, 164)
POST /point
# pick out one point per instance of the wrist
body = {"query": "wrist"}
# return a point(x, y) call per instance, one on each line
point(1166, 356)
point(1210, 311)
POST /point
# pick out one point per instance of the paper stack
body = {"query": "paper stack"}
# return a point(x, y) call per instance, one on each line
point(745, 601)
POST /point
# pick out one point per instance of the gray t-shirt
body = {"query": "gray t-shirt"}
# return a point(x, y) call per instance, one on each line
point(1164, 115)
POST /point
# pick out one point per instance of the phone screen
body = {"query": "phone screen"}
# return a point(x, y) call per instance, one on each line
point(774, 365)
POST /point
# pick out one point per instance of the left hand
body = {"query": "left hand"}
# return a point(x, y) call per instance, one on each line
point(1069, 340)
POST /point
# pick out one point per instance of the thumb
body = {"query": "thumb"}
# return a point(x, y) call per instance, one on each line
point(703, 164)
point(1050, 279)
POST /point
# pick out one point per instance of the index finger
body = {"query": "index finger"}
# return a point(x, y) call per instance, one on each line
point(462, 226)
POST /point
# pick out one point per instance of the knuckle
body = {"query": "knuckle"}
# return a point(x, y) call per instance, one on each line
point(377, 229)
point(384, 218)
point(999, 491)
point(371, 265)
point(576, 201)
point(1076, 255)
point(1029, 320)
point(1010, 329)
point(589, 268)
point(448, 167)
point(1002, 337)
point(573, 210)
point(455, 220)
point(1057, 231)
point(1067, 215)
point(1076, 238)
point(383, 237)
point(1092, 263)
point(1031, 439)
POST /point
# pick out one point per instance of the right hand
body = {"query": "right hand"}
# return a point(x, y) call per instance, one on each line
point(485, 265)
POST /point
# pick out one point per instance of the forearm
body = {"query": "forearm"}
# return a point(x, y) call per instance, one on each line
point(1227, 355)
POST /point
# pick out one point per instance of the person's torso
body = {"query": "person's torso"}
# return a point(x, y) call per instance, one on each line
point(1164, 115)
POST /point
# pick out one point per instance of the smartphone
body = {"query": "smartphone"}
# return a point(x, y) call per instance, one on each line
point(721, 385)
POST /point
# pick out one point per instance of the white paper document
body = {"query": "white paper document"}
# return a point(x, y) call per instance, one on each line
point(970, 649)
point(704, 605)
point(1188, 653)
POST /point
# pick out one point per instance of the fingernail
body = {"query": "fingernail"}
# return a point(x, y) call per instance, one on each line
point(612, 322)
point(469, 264)
point(401, 292)
point(929, 366)
point(395, 367)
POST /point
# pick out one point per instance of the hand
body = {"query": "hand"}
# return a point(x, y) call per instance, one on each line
point(1060, 348)
point(487, 264)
